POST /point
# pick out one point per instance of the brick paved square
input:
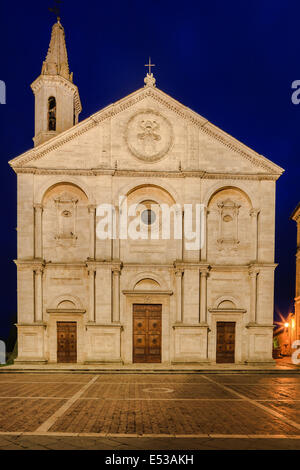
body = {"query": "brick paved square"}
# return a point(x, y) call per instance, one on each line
point(25, 415)
point(60, 390)
point(149, 404)
point(59, 378)
point(169, 417)
point(258, 379)
point(157, 390)
point(151, 378)
point(267, 392)
point(290, 409)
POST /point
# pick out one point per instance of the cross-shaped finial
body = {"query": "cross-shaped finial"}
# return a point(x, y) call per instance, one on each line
point(56, 9)
point(149, 65)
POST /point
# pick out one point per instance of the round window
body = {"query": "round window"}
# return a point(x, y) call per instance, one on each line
point(148, 217)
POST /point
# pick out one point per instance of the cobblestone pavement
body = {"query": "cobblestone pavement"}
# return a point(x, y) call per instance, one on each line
point(149, 411)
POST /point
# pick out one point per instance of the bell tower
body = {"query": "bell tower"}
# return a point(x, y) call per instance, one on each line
point(57, 101)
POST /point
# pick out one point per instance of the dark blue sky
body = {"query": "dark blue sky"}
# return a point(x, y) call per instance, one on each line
point(233, 62)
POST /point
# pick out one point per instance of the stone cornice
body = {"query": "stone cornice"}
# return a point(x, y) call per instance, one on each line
point(73, 311)
point(168, 102)
point(183, 265)
point(34, 264)
point(147, 292)
point(296, 213)
point(242, 267)
point(147, 173)
point(227, 310)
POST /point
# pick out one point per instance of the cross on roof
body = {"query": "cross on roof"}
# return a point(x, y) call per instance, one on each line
point(149, 65)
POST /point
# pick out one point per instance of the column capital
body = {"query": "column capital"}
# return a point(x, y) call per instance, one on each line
point(92, 207)
point(91, 266)
point(91, 270)
point(204, 270)
point(254, 212)
point(116, 267)
point(253, 271)
point(179, 272)
point(30, 264)
point(38, 207)
point(39, 270)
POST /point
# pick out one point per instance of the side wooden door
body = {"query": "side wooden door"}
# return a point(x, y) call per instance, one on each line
point(66, 341)
point(225, 342)
point(147, 333)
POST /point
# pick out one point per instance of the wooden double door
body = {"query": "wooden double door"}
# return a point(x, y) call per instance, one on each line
point(147, 333)
point(225, 342)
point(66, 341)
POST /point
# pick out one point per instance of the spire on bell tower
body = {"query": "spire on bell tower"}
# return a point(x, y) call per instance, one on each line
point(57, 101)
point(56, 62)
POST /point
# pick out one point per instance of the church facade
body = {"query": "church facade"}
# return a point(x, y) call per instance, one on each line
point(84, 298)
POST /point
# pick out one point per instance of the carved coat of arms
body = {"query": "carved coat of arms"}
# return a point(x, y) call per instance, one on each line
point(149, 135)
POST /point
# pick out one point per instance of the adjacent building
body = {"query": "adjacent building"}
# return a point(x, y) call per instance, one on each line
point(296, 217)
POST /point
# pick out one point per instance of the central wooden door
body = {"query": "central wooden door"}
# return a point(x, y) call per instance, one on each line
point(225, 342)
point(66, 341)
point(146, 333)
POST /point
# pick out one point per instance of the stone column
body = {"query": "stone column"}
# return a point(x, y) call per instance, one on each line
point(116, 295)
point(92, 215)
point(203, 251)
point(253, 273)
point(116, 241)
point(178, 275)
point(91, 272)
point(179, 241)
point(38, 298)
point(203, 295)
point(254, 215)
point(38, 210)
point(182, 237)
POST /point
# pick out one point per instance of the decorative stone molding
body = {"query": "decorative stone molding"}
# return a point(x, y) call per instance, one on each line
point(65, 297)
point(145, 173)
point(224, 310)
point(168, 102)
point(35, 265)
point(148, 135)
point(66, 208)
point(228, 215)
point(64, 311)
point(147, 292)
point(254, 212)
point(149, 80)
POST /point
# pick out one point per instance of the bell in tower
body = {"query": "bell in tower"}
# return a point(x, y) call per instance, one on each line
point(57, 101)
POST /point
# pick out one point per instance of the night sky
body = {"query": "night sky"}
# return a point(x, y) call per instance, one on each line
point(233, 62)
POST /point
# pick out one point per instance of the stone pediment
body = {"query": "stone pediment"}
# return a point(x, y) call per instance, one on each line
point(146, 119)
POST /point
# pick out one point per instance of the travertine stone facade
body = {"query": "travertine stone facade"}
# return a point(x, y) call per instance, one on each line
point(150, 148)
point(296, 217)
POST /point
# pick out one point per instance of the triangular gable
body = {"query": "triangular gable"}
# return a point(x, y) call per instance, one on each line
point(213, 132)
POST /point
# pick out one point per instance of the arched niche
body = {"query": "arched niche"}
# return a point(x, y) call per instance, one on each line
point(128, 189)
point(229, 224)
point(147, 284)
point(58, 302)
point(65, 223)
point(227, 304)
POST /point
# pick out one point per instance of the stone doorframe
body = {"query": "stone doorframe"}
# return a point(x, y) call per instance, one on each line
point(145, 297)
point(224, 315)
point(56, 315)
